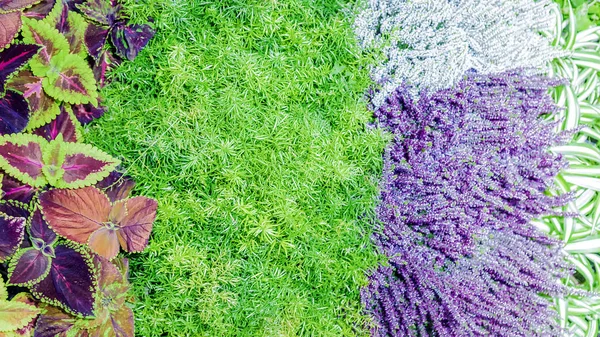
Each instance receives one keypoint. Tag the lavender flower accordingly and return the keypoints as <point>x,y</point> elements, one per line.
<point>430,44</point>
<point>463,178</point>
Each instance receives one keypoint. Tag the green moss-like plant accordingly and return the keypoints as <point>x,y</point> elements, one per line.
<point>245,120</point>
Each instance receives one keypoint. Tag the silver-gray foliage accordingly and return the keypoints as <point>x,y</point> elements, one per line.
<point>430,44</point>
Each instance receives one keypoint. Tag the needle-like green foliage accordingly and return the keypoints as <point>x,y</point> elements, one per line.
<point>245,120</point>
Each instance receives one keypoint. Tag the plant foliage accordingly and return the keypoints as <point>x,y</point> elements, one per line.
<point>463,178</point>
<point>47,86</point>
<point>429,45</point>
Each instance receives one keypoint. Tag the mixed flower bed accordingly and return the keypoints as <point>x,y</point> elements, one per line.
<point>385,168</point>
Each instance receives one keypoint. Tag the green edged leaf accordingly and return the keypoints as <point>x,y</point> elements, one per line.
<point>54,157</point>
<point>21,158</point>
<point>43,108</point>
<point>52,42</point>
<point>85,165</point>
<point>16,315</point>
<point>70,80</point>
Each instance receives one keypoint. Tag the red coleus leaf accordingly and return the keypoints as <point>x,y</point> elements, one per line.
<point>11,24</point>
<point>63,125</point>
<point>13,5</point>
<point>70,282</point>
<point>13,58</point>
<point>86,215</point>
<point>14,113</point>
<point>12,231</point>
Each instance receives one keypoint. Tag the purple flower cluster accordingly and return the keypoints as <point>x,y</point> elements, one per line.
<point>463,177</point>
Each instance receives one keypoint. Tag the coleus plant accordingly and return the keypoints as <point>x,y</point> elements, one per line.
<point>113,318</point>
<point>65,76</point>
<point>48,89</point>
<point>14,110</point>
<point>87,216</point>
<point>58,273</point>
<point>38,162</point>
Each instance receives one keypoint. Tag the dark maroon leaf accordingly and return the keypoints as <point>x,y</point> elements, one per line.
<point>61,125</point>
<point>63,21</point>
<point>104,12</point>
<point>70,282</point>
<point>103,65</point>
<point>39,229</point>
<point>95,39</point>
<point>13,58</point>
<point>41,10</point>
<point>129,40</point>
<point>31,265</point>
<point>14,113</point>
<point>14,209</point>
<point>16,190</point>
<point>116,186</point>
<point>86,113</point>
<point>11,235</point>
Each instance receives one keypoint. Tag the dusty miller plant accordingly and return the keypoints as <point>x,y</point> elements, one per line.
<point>430,44</point>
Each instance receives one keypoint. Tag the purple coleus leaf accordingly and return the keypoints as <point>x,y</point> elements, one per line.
<point>105,63</point>
<point>116,186</point>
<point>42,107</point>
<point>13,58</point>
<point>14,209</point>
<point>31,265</point>
<point>11,234</point>
<point>85,113</point>
<point>95,39</point>
<point>62,124</point>
<point>40,10</point>
<point>129,40</point>
<point>14,113</point>
<point>70,283</point>
<point>58,274</point>
<point>15,190</point>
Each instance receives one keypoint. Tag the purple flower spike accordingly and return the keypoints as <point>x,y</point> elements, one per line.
<point>463,177</point>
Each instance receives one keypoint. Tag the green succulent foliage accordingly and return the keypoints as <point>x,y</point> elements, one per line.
<point>66,77</point>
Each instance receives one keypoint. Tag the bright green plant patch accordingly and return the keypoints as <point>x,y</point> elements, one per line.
<point>245,120</point>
